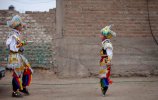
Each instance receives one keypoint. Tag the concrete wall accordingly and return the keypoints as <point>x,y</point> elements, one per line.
<point>135,52</point>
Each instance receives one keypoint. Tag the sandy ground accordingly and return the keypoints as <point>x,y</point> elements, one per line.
<point>46,86</point>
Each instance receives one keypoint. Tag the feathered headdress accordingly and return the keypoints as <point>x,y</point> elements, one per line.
<point>16,21</point>
<point>106,31</point>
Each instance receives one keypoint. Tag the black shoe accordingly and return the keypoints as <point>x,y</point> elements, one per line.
<point>16,94</point>
<point>25,91</point>
<point>104,90</point>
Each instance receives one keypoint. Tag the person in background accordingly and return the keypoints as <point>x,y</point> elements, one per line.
<point>106,54</point>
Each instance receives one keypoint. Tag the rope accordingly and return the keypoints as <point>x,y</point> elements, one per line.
<point>150,23</point>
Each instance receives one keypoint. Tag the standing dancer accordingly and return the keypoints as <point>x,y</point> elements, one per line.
<point>22,72</point>
<point>106,54</point>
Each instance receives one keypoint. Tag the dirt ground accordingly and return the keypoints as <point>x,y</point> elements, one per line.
<point>46,86</point>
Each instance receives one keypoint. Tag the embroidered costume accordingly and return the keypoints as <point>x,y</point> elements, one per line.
<point>22,72</point>
<point>106,54</point>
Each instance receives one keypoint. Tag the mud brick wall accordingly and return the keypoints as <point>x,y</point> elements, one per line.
<point>130,17</point>
<point>45,19</point>
<point>75,51</point>
<point>135,52</point>
<point>40,29</point>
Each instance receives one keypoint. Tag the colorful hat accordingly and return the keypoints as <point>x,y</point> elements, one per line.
<point>106,31</point>
<point>16,21</point>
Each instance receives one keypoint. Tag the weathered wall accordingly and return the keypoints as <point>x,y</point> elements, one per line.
<point>87,17</point>
<point>66,39</point>
<point>40,29</point>
<point>135,52</point>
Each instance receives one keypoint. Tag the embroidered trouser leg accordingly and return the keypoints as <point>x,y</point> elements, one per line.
<point>17,83</point>
<point>104,85</point>
<point>27,77</point>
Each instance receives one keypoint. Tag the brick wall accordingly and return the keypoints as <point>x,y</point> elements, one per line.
<point>40,29</point>
<point>45,19</point>
<point>130,17</point>
<point>135,52</point>
<point>75,51</point>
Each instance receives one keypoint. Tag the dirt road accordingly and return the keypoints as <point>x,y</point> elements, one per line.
<point>48,87</point>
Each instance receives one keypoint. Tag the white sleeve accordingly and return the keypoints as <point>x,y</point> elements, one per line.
<point>109,52</point>
<point>8,41</point>
<point>11,43</point>
<point>107,45</point>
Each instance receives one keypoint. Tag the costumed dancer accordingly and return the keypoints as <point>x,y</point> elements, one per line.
<point>106,54</point>
<point>22,71</point>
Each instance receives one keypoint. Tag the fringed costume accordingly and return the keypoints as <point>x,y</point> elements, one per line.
<point>22,71</point>
<point>106,54</point>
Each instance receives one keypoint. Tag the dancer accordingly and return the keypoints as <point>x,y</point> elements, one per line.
<point>106,54</point>
<point>22,71</point>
